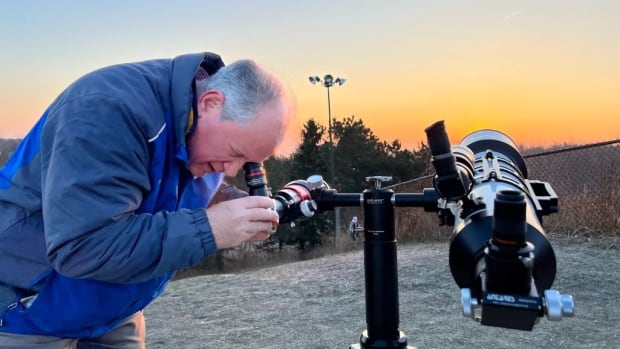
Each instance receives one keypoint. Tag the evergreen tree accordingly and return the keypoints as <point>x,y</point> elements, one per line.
<point>312,155</point>
<point>403,164</point>
<point>357,155</point>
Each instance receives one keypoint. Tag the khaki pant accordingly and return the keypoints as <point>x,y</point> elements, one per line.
<point>130,334</point>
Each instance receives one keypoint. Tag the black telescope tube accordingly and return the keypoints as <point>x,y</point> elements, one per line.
<point>510,258</point>
<point>509,222</point>
<point>328,199</point>
<point>255,179</point>
<point>427,199</point>
<point>449,182</point>
<point>439,144</point>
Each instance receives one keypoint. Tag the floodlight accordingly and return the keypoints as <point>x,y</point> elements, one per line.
<point>328,80</point>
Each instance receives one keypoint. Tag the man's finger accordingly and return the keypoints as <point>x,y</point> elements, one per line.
<point>260,236</point>
<point>263,215</point>
<point>256,202</point>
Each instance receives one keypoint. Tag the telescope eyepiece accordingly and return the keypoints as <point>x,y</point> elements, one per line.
<point>255,179</point>
<point>454,170</point>
<point>438,140</point>
<point>509,221</point>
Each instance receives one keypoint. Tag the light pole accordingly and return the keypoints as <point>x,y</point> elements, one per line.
<point>327,82</point>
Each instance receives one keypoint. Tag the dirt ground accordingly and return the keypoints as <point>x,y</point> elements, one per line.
<point>320,304</point>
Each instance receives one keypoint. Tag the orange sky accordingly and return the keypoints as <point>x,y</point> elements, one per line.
<point>542,72</point>
<point>551,95</point>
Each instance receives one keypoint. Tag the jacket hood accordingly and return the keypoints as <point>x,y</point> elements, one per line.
<point>184,69</point>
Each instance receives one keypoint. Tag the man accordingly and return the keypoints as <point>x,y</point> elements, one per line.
<point>108,195</point>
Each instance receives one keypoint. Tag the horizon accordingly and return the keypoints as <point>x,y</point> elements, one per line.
<point>544,74</point>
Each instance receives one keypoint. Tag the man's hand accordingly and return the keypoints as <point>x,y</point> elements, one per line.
<point>245,219</point>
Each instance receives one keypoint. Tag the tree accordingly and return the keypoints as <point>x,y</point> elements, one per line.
<point>357,155</point>
<point>312,155</point>
<point>403,164</point>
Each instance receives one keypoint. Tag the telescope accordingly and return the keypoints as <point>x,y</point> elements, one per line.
<point>499,255</point>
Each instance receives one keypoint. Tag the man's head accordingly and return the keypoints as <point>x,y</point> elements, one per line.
<point>243,112</point>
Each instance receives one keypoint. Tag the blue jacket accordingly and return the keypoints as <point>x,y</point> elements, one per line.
<point>97,208</point>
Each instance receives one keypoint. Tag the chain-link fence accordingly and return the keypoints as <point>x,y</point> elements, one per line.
<point>587,182</point>
<point>586,179</point>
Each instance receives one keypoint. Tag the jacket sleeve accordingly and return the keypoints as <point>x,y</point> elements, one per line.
<point>95,163</point>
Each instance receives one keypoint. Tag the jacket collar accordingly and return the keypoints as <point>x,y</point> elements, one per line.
<point>182,89</point>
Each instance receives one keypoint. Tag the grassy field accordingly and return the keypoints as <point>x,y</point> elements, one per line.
<point>319,303</point>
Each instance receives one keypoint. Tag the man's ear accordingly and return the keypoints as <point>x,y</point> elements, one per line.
<point>210,100</point>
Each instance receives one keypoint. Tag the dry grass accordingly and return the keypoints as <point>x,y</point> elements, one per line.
<point>319,303</point>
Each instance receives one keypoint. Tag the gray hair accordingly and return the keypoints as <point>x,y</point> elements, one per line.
<point>246,86</point>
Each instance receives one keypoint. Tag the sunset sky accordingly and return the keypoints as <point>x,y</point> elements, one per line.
<point>544,72</point>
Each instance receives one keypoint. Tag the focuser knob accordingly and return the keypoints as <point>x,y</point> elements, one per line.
<point>378,180</point>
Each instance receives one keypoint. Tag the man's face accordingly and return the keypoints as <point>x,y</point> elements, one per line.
<point>218,145</point>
